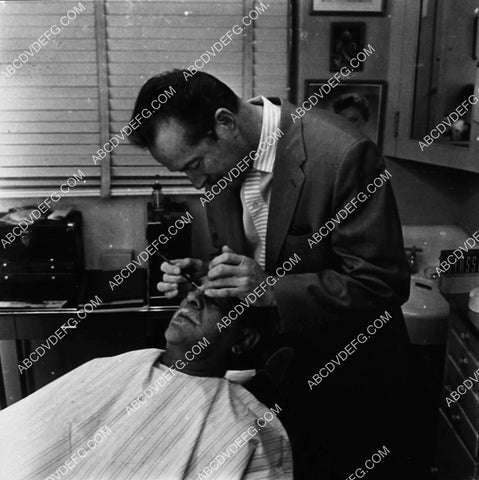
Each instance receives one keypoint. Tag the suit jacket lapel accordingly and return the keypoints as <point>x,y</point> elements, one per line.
<point>288,179</point>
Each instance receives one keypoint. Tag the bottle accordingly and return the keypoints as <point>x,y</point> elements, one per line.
<point>157,199</point>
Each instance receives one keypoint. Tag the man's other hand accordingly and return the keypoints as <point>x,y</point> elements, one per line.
<point>233,275</point>
<point>173,282</point>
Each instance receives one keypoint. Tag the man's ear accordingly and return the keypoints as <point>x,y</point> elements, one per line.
<point>249,337</point>
<point>225,119</point>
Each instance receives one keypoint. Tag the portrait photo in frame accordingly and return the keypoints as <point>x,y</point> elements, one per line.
<point>361,102</point>
<point>347,39</point>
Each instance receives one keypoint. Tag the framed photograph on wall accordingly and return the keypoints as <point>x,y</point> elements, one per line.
<point>361,102</point>
<point>347,7</point>
<point>346,41</point>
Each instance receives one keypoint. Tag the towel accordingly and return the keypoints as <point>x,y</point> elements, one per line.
<point>129,417</point>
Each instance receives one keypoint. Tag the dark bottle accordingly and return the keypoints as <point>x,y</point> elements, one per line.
<point>157,199</point>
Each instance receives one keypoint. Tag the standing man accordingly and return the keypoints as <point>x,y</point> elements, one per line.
<point>315,192</point>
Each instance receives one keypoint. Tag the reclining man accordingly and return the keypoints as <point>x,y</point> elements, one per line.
<point>152,414</point>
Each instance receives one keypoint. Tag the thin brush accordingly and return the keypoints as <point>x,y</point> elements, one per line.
<point>188,277</point>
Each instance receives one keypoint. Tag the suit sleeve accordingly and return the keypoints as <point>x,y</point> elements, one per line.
<point>371,271</point>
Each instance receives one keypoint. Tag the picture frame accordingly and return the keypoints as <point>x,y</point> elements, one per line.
<point>347,7</point>
<point>369,96</point>
<point>347,39</point>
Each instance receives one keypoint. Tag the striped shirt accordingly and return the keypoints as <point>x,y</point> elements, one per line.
<point>123,418</point>
<point>256,188</point>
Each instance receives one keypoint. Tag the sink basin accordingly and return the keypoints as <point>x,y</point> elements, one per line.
<point>426,313</point>
<point>431,239</point>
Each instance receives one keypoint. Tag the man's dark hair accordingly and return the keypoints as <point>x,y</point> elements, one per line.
<point>352,100</point>
<point>194,104</point>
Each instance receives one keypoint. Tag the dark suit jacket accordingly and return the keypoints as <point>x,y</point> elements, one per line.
<point>321,164</point>
<point>340,286</point>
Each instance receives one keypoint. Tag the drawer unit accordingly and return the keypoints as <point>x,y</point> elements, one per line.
<point>467,337</point>
<point>463,426</point>
<point>469,401</point>
<point>462,416</point>
<point>45,263</point>
<point>465,361</point>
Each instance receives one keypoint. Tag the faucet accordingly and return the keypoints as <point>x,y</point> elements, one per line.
<point>412,258</point>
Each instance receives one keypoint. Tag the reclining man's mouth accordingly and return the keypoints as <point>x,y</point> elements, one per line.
<point>184,314</point>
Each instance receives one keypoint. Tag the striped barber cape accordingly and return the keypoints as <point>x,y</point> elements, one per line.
<point>125,418</point>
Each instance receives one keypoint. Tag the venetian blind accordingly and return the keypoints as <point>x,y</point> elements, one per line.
<point>49,120</point>
<point>78,90</point>
<point>148,37</point>
<point>271,50</point>
<point>145,38</point>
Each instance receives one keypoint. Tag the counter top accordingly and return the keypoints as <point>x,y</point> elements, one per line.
<point>96,283</point>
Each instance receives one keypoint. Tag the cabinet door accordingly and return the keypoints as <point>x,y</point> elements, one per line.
<point>433,113</point>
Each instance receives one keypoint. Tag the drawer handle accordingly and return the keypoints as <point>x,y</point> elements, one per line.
<point>463,362</point>
<point>464,336</point>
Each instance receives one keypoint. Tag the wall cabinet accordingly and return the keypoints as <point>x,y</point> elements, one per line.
<point>432,114</point>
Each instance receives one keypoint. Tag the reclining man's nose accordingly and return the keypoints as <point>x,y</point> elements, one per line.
<point>195,299</point>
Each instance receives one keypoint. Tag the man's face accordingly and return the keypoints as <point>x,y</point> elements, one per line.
<point>196,318</point>
<point>205,162</point>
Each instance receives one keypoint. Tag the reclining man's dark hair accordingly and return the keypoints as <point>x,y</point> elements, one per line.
<point>194,104</point>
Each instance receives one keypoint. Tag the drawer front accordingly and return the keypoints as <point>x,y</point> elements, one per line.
<point>29,278</point>
<point>52,267</point>
<point>464,360</point>
<point>453,460</point>
<point>462,425</point>
<point>7,266</point>
<point>467,338</point>
<point>469,401</point>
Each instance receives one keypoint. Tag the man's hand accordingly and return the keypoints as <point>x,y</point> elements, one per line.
<point>233,275</point>
<point>173,283</point>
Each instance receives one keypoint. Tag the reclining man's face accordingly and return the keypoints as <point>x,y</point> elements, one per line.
<point>196,318</point>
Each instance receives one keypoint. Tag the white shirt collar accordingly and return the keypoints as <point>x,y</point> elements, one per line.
<point>264,160</point>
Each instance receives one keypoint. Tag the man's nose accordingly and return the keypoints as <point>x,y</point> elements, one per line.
<point>195,299</point>
<point>198,180</point>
